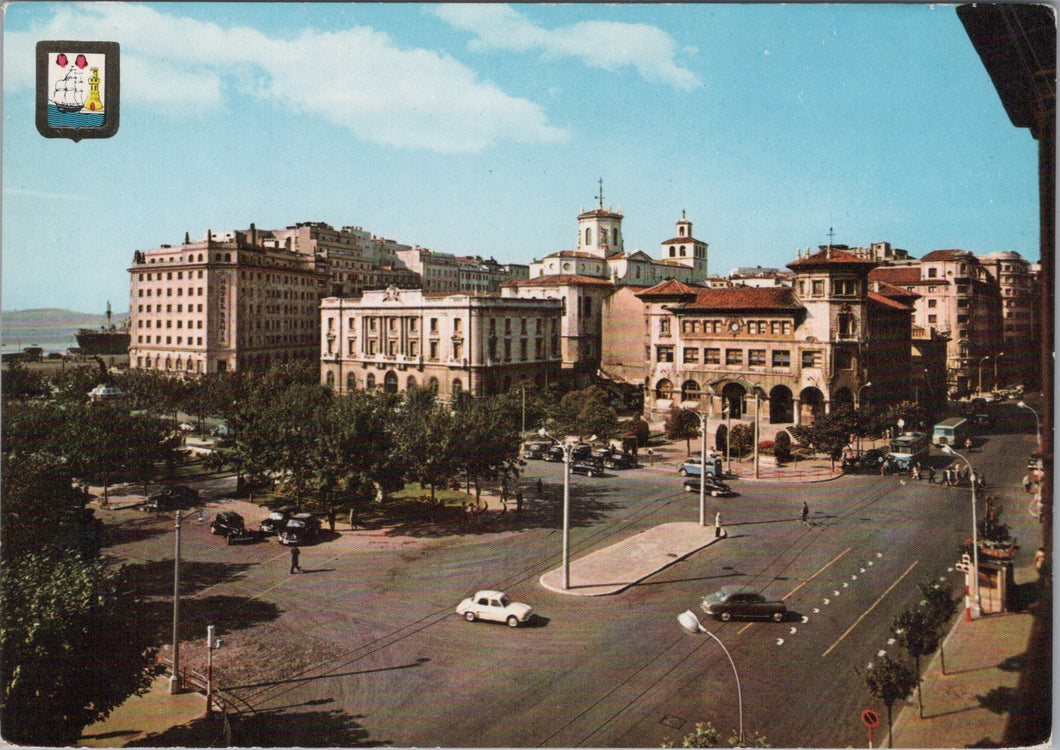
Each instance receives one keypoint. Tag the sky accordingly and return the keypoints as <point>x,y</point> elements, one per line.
<point>483,129</point>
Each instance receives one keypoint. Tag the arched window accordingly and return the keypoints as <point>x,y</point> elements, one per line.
<point>369,381</point>
<point>433,384</point>
<point>410,383</point>
<point>588,236</point>
<point>329,379</point>
<point>351,381</point>
<point>614,236</point>
<point>682,251</point>
<point>689,390</point>
<point>457,386</point>
<point>664,389</point>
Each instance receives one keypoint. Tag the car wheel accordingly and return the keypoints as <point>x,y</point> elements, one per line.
<point>682,472</point>
<point>778,617</point>
<point>513,621</point>
<point>469,616</point>
<point>725,616</point>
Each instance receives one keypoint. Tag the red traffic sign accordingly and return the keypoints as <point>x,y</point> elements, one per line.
<point>870,717</point>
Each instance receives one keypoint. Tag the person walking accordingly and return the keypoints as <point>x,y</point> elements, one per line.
<point>717,525</point>
<point>805,512</point>
<point>331,519</point>
<point>539,486</point>
<point>295,568</point>
<point>931,475</point>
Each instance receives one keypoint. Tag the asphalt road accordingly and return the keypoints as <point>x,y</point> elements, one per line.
<point>365,648</point>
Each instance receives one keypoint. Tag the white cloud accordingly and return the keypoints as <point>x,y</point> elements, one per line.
<point>606,45</point>
<point>356,78</point>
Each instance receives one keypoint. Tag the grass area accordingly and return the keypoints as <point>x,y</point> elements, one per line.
<point>416,491</point>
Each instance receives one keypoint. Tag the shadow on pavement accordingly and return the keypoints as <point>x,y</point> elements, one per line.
<point>268,729</point>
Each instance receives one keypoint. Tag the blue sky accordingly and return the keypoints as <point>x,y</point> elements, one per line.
<point>482,129</point>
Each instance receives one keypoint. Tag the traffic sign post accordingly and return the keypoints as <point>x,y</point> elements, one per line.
<point>872,720</point>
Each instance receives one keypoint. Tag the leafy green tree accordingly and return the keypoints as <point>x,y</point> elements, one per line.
<point>828,434</point>
<point>741,439</point>
<point>424,435</point>
<point>917,631</point>
<point>641,431</point>
<point>941,605</point>
<point>353,450</point>
<point>682,424</point>
<point>890,681</point>
<point>705,734</point>
<point>72,646</point>
<point>42,510</point>
<point>73,383</point>
<point>489,441</point>
<point>19,382</point>
<point>584,413</point>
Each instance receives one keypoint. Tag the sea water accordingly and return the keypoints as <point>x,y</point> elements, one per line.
<point>82,119</point>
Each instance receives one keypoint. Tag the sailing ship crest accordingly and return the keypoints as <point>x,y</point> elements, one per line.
<point>71,91</point>
<point>77,89</point>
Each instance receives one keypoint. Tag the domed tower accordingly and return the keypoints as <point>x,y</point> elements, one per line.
<point>600,229</point>
<point>686,250</point>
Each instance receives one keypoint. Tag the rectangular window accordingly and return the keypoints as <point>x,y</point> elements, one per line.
<point>664,353</point>
<point>664,326</point>
<point>712,356</point>
<point>691,356</point>
<point>781,358</point>
<point>434,325</point>
<point>844,360</point>
<point>809,359</point>
<point>933,318</point>
<point>434,350</point>
<point>845,287</point>
<point>734,356</point>
<point>932,303</point>
<point>932,273</point>
<point>818,288</point>
<point>756,357</point>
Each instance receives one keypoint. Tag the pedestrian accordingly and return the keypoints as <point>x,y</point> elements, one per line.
<point>717,525</point>
<point>518,500</point>
<point>916,472</point>
<point>805,512</point>
<point>295,568</point>
<point>968,444</point>
<point>931,475</point>
<point>539,488</point>
<point>331,519</point>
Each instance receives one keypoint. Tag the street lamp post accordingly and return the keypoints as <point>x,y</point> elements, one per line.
<point>857,396</point>
<point>1037,422</point>
<point>997,359</point>
<point>703,464</point>
<point>690,624</point>
<point>976,609</point>
<point>174,680</point>
<point>727,412</point>
<point>757,402</point>
<point>984,359</point>
<point>566,506</point>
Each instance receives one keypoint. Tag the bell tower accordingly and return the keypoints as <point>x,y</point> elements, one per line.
<point>600,229</point>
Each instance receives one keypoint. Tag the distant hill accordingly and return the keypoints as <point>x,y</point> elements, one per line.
<point>52,329</point>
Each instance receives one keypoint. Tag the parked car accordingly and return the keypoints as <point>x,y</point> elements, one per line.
<point>494,606</point>
<point>534,451</point>
<point>743,602</point>
<point>171,498</point>
<point>580,451</point>
<point>711,486</point>
<point>277,520</point>
<point>692,466</point>
<point>590,467</point>
<point>227,522</point>
<point>300,528</point>
<point>245,536</point>
<point>618,461</point>
<point>555,453</point>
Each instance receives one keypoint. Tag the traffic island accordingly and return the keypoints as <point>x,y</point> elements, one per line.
<point>621,565</point>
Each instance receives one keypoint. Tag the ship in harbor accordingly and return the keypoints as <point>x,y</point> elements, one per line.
<point>70,93</point>
<point>108,339</point>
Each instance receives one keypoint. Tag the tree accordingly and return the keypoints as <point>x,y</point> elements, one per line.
<point>741,439</point>
<point>424,436</point>
<point>940,605</point>
<point>890,681</point>
<point>829,433</point>
<point>72,646</point>
<point>704,734</point>
<point>489,441</point>
<point>640,430</point>
<point>584,413</point>
<point>19,382</point>
<point>918,633</point>
<point>354,448</point>
<point>42,510</point>
<point>682,424</point>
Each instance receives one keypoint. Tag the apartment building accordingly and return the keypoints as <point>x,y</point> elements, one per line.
<point>226,302</point>
<point>1017,362</point>
<point>480,344</point>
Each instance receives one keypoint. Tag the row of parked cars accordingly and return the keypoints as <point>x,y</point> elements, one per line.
<point>584,458</point>
<point>289,526</point>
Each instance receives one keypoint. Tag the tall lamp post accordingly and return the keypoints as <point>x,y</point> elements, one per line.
<point>857,407</point>
<point>691,625</point>
<point>566,505</point>
<point>948,449</point>
<point>174,680</point>
<point>997,359</point>
<point>703,462</point>
<point>1037,422</point>
<point>984,359</point>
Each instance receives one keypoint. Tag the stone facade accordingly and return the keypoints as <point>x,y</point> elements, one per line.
<point>480,344</point>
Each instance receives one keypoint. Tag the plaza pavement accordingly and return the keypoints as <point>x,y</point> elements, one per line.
<point>967,705</point>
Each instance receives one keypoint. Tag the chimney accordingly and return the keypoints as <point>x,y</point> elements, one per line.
<point>187,239</point>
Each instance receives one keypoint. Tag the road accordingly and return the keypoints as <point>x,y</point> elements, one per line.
<point>365,647</point>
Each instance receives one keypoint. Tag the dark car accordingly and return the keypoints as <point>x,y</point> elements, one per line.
<point>554,454</point>
<point>590,467</point>
<point>581,451</point>
<point>743,602</point>
<point>711,486</point>
<point>300,528</point>
<point>277,520</point>
<point>171,498</point>
<point>534,451</point>
<point>618,461</point>
<point>227,522</point>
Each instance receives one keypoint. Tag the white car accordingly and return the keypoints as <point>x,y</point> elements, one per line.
<point>495,606</point>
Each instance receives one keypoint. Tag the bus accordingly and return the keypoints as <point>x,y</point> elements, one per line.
<point>952,431</point>
<point>909,448</point>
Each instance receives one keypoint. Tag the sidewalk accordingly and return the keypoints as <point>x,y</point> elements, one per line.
<point>141,716</point>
